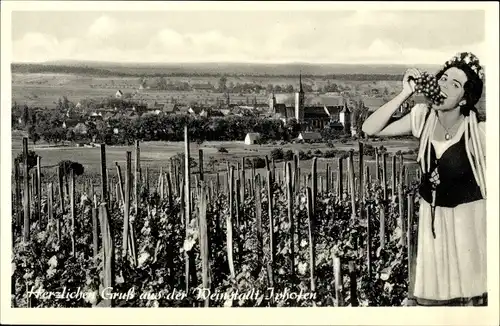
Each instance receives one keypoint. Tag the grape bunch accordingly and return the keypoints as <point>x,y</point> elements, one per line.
<point>427,84</point>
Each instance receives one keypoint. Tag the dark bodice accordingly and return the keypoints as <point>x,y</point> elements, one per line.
<point>457,183</point>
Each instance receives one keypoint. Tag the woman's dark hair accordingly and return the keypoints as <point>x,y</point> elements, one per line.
<point>473,88</point>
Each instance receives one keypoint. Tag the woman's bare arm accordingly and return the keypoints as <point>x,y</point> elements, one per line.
<point>376,123</point>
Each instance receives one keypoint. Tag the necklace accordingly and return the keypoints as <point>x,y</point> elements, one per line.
<point>447,135</point>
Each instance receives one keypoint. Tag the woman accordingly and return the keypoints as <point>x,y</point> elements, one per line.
<point>451,256</point>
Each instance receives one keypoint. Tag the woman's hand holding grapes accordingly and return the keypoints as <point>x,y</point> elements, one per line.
<point>409,81</point>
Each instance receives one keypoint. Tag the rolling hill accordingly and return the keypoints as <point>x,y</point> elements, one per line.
<point>213,69</point>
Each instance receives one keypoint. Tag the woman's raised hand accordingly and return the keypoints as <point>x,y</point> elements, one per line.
<point>409,81</point>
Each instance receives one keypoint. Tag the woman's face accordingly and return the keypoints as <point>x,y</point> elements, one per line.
<point>452,87</point>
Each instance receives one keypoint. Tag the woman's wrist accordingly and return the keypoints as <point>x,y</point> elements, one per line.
<point>405,94</point>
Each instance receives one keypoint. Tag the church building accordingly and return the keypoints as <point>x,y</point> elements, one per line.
<point>314,116</point>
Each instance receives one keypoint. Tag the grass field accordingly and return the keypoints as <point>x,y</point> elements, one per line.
<point>157,154</point>
<point>44,89</point>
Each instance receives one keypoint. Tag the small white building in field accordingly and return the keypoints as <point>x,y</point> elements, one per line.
<point>309,136</point>
<point>252,138</point>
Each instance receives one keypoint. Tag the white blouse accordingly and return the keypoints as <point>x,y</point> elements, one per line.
<point>417,118</point>
<point>440,146</point>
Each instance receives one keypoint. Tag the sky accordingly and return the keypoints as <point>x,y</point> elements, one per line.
<point>327,36</point>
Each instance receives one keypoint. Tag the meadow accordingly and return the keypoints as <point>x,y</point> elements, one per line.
<point>44,89</point>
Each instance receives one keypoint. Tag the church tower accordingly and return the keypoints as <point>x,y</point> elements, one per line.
<point>345,117</point>
<point>299,101</point>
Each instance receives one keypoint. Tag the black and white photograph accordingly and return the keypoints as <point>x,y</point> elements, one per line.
<point>211,156</point>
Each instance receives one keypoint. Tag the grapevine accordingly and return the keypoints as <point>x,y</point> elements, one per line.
<point>163,242</point>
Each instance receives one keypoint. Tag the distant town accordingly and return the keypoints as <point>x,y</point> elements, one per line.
<point>311,114</point>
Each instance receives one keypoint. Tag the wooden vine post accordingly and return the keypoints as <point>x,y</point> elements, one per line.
<point>104,187</point>
<point>137,177</point>
<point>384,175</point>
<point>39,192</point>
<point>339,281</point>
<point>368,241</point>
<point>61,188</point>
<point>187,200</point>
<point>271,228</point>
<point>120,181</point>
<point>367,177</point>
<point>412,248</point>
<point>169,191</point>
<point>72,210</point>
<point>382,225</point>
<point>312,253</point>
<point>314,186</point>
<point>108,249</point>
<point>361,189</point>
<point>146,180</point>
<point>354,286</point>
<point>95,231</point>
<point>290,216</point>
<point>327,178</point>
<point>204,249</point>
<point>237,231</point>
<point>26,229</point>
<point>242,185</point>
<point>17,196</point>
<point>258,218</point>
<point>50,202</point>
<point>394,179</point>
<point>401,201</point>
<point>229,224</point>
<point>350,176</point>
<point>340,178</point>
<point>296,168</point>
<point>274,170</point>
<point>200,164</point>
<point>126,203</point>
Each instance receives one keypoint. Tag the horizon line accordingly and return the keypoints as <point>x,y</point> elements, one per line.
<point>62,61</point>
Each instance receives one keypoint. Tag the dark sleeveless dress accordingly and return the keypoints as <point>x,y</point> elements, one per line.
<point>457,183</point>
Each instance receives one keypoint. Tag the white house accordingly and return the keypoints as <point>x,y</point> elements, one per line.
<point>252,138</point>
<point>309,136</point>
<point>119,94</point>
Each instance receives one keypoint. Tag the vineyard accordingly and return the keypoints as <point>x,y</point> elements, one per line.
<point>283,238</point>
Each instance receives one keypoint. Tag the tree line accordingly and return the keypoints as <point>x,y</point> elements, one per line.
<point>171,72</point>
<point>48,125</point>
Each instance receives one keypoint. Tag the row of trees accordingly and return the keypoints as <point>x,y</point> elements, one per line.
<point>123,130</point>
<point>154,71</point>
<point>170,128</point>
<point>225,86</point>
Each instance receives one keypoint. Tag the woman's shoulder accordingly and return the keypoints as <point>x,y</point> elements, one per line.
<point>420,108</point>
